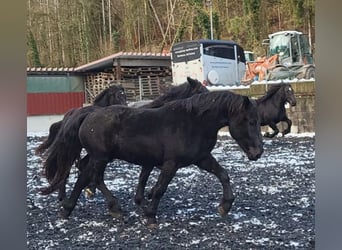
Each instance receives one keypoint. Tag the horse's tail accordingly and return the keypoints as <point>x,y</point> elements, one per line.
<point>62,154</point>
<point>53,131</point>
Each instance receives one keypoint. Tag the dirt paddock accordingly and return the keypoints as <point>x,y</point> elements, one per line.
<point>274,206</point>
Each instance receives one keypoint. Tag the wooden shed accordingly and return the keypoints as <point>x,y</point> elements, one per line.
<point>143,75</point>
<point>54,91</point>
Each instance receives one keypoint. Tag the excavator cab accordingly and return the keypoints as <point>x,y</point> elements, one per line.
<point>292,47</point>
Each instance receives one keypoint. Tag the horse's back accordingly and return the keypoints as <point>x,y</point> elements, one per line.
<point>143,135</point>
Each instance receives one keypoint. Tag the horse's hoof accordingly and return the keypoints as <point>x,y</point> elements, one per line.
<point>152,226</point>
<point>152,223</point>
<point>63,213</point>
<point>115,210</point>
<point>89,193</point>
<point>222,211</point>
<point>141,202</point>
<point>116,215</point>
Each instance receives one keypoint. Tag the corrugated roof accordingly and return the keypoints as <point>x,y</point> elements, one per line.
<point>108,61</point>
<point>105,62</point>
<point>49,69</point>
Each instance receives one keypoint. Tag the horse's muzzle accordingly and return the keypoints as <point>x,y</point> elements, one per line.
<point>254,153</point>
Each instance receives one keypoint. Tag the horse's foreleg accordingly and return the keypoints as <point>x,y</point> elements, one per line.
<point>143,177</point>
<point>212,166</point>
<point>275,131</point>
<point>168,171</point>
<point>61,191</point>
<point>289,124</point>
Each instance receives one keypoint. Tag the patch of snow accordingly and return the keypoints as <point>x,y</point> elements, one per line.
<point>237,226</point>
<point>92,224</point>
<point>294,244</point>
<point>238,215</point>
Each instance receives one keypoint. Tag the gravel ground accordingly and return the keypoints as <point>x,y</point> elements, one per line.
<point>274,206</point>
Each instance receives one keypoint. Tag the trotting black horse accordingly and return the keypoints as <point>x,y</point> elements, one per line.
<point>187,89</point>
<point>271,107</point>
<point>114,94</point>
<point>176,135</point>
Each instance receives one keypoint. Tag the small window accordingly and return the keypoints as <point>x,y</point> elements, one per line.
<point>221,51</point>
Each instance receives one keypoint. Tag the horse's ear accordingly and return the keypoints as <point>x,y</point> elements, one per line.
<point>246,102</point>
<point>191,81</point>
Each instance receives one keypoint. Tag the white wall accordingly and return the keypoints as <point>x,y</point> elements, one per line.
<point>41,123</point>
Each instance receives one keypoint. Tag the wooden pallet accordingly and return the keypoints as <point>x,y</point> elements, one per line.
<point>152,80</point>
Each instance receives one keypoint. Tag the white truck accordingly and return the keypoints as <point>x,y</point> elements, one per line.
<point>212,62</point>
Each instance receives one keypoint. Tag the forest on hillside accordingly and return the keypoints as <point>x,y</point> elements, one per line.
<point>62,33</point>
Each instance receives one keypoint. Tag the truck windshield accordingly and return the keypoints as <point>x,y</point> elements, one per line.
<point>279,44</point>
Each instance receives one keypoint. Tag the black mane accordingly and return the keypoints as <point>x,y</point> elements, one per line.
<point>181,91</point>
<point>208,101</point>
<point>272,90</point>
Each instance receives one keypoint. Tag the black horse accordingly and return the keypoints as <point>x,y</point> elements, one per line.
<point>175,135</point>
<point>187,89</point>
<point>114,94</point>
<point>271,107</point>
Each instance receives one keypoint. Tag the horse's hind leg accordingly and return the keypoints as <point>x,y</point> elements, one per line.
<point>289,124</point>
<point>275,131</point>
<point>68,204</point>
<point>168,171</point>
<point>211,165</point>
<point>143,177</point>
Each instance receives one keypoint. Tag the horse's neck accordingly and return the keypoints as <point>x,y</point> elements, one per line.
<point>280,99</point>
<point>276,99</point>
<point>102,102</point>
<point>213,119</point>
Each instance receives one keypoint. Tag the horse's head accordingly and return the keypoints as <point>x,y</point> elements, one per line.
<point>244,127</point>
<point>118,95</point>
<point>113,95</point>
<point>289,95</point>
<point>196,87</point>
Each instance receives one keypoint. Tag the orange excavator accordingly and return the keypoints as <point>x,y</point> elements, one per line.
<point>288,56</point>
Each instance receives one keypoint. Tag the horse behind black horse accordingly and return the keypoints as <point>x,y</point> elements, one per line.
<point>112,95</point>
<point>176,135</point>
<point>271,107</point>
